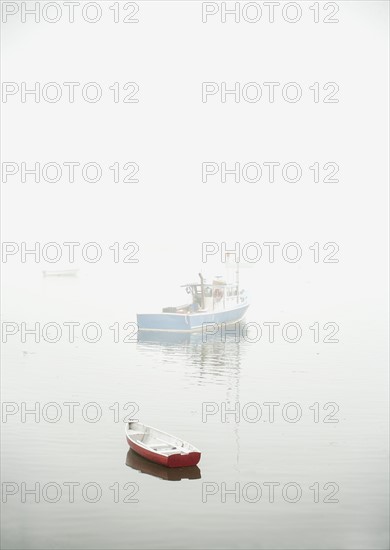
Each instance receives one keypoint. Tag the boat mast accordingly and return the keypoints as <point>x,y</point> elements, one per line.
<point>238,281</point>
<point>237,277</point>
<point>201,290</point>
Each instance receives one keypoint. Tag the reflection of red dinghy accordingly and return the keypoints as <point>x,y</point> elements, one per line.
<point>160,447</point>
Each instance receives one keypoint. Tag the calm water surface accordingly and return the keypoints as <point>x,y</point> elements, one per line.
<point>170,379</point>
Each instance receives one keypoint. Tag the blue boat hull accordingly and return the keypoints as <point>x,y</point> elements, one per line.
<point>180,322</point>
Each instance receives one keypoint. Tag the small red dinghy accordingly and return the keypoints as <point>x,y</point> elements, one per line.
<point>161,447</point>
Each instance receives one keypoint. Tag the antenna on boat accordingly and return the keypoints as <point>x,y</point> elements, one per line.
<point>238,281</point>
<point>201,289</point>
<point>237,272</point>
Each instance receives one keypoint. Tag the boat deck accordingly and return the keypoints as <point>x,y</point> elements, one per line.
<point>156,444</point>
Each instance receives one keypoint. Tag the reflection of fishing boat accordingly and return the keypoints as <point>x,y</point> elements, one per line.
<point>215,354</point>
<point>137,462</point>
<point>167,338</point>
<point>61,273</point>
<point>216,302</point>
<point>160,447</point>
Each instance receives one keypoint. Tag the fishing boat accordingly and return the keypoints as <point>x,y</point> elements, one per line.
<point>215,302</point>
<point>144,466</point>
<point>61,273</point>
<point>160,447</point>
